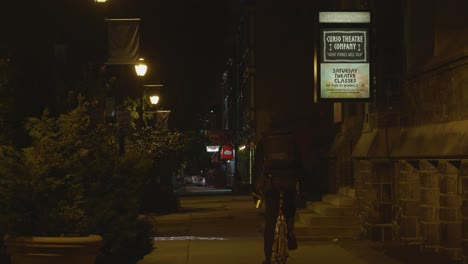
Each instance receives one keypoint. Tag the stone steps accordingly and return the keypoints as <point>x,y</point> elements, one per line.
<point>311,218</point>
<point>304,232</point>
<point>335,217</point>
<point>339,200</point>
<point>347,191</point>
<point>327,209</point>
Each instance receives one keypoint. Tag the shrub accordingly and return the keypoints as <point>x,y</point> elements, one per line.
<point>72,181</point>
<point>165,147</point>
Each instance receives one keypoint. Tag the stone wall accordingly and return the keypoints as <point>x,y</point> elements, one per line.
<point>429,205</point>
<point>364,197</point>
<point>423,202</point>
<point>374,191</point>
<point>407,192</point>
<point>438,95</point>
<point>463,183</point>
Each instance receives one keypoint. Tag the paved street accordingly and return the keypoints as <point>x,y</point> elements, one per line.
<point>228,229</point>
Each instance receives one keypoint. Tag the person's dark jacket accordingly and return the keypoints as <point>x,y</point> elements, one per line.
<point>277,163</point>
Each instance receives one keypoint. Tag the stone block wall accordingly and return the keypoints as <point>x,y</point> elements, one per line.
<point>429,205</point>
<point>463,189</point>
<point>423,202</point>
<point>362,172</point>
<point>437,95</point>
<point>450,210</point>
<point>407,202</point>
<point>374,191</point>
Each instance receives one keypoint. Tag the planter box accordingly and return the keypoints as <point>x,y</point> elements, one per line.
<point>53,250</point>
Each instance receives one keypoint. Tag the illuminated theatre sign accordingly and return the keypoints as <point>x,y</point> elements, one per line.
<point>344,64</point>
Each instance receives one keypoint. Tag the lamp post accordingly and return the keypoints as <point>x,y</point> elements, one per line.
<point>140,69</point>
<point>153,93</point>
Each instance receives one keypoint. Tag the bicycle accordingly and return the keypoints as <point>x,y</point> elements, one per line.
<point>279,254</point>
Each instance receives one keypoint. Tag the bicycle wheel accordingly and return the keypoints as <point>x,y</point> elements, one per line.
<point>280,243</point>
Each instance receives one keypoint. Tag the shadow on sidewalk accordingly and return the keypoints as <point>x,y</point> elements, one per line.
<point>413,254</point>
<point>403,254</point>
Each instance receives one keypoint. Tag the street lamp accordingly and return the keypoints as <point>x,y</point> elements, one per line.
<point>154,99</point>
<point>153,92</point>
<point>140,69</point>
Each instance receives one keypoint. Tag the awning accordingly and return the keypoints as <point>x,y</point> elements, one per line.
<point>437,140</point>
<point>445,140</point>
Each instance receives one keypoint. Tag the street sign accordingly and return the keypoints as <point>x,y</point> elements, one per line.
<point>212,148</point>
<point>227,152</point>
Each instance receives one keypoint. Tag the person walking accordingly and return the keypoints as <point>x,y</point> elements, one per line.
<point>277,168</point>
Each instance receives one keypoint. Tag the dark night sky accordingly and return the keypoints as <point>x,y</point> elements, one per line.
<point>184,43</point>
<point>184,40</point>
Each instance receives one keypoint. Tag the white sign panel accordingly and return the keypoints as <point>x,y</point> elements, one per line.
<point>344,17</point>
<point>346,81</point>
<point>212,148</point>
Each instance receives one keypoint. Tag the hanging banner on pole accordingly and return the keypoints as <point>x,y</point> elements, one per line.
<point>123,40</point>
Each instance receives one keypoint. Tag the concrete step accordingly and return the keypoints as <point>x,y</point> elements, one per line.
<point>334,218</point>
<point>306,232</point>
<point>311,218</point>
<point>347,191</point>
<point>327,209</point>
<point>339,200</point>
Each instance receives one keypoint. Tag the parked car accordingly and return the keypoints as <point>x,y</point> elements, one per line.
<point>195,180</point>
<point>188,180</point>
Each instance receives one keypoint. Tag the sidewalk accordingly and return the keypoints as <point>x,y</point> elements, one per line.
<point>247,250</point>
<point>227,229</point>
